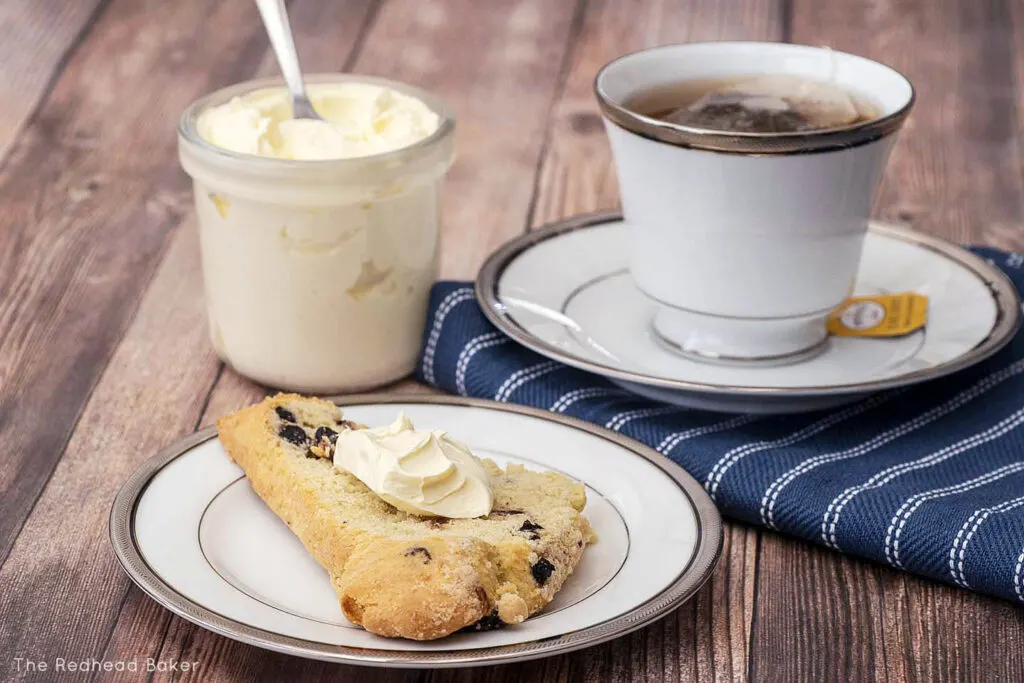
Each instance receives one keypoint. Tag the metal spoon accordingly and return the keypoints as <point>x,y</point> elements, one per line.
<point>275,20</point>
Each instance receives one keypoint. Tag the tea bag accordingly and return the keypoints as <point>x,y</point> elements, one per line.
<point>770,104</point>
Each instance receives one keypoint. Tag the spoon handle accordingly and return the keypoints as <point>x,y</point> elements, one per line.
<point>275,19</point>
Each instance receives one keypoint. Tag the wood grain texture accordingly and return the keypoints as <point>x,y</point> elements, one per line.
<point>498,67</point>
<point>138,628</point>
<point>164,367</point>
<point>956,172</point>
<point>825,617</point>
<point>36,38</point>
<point>90,194</point>
<point>61,599</point>
<point>817,617</point>
<point>483,82</point>
<point>97,245</point>
<point>957,169</point>
<point>708,638</point>
<point>577,175</point>
<point>1016,21</point>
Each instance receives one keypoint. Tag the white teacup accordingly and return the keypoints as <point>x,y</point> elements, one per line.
<point>747,241</point>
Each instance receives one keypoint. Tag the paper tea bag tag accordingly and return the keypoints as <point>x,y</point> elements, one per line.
<point>886,315</point>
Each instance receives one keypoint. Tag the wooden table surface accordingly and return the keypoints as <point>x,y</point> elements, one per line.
<point>104,355</point>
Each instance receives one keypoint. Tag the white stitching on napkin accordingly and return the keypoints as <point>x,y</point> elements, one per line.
<point>478,343</point>
<point>736,454</point>
<point>453,299</point>
<point>771,495</point>
<point>620,420</point>
<point>673,440</point>
<point>1018,577</point>
<point>570,397</point>
<point>978,517</point>
<point>899,520</point>
<point>879,479</point>
<point>521,377</point>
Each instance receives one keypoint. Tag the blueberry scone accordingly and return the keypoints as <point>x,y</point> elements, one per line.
<point>400,573</point>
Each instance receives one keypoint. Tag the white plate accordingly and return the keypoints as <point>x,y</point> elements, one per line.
<point>565,292</point>
<point>189,530</point>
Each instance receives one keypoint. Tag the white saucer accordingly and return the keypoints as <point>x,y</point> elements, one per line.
<point>565,292</point>
<point>189,530</point>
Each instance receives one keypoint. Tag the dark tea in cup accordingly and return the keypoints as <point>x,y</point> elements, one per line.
<point>755,104</point>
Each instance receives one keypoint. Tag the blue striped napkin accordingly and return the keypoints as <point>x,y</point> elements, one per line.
<point>928,479</point>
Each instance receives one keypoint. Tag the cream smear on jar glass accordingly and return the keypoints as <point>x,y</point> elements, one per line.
<point>319,239</point>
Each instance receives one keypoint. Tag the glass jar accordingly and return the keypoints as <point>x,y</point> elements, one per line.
<point>317,273</point>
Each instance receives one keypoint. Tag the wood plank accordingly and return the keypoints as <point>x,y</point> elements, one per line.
<point>36,39</point>
<point>60,587</point>
<point>482,81</point>
<point>577,175</point>
<point>955,635</point>
<point>819,617</point>
<point>137,626</point>
<point>91,193</point>
<point>62,598</point>
<point>825,617</point>
<point>957,168</point>
<point>956,172</point>
<point>1016,21</point>
<point>682,646</point>
<point>707,639</point>
<point>498,68</point>
<point>814,614</point>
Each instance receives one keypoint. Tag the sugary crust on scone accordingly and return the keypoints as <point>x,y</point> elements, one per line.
<point>401,575</point>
